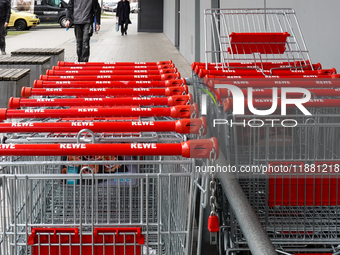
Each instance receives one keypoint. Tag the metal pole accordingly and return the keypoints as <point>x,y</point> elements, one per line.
<point>257,238</point>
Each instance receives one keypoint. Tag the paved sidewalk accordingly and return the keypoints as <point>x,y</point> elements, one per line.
<point>107,45</point>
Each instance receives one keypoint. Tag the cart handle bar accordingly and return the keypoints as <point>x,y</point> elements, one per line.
<point>15,102</point>
<point>111,72</point>
<point>207,78</point>
<point>250,63</point>
<point>114,67</point>
<point>103,92</point>
<point>273,72</point>
<point>200,148</point>
<point>259,66</point>
<point>62,63</point>
<point>178,111</point>
<point>182,126</point>
<point>270,83</point>
<point>109,77</point>
<point>108,84</point>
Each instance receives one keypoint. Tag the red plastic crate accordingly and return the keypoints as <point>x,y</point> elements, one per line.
<point>264,43</point>
<point>68,241</point>
<point>304,189</point>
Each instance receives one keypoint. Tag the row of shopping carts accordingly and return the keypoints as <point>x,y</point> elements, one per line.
<point>276,116</point>
<point>98,158</point>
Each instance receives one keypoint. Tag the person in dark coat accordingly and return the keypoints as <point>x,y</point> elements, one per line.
<point>82,14</point>
<point>123,14</point>
<point>5,13</point>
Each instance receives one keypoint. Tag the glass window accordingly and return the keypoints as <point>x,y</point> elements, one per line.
<point>54,3</point>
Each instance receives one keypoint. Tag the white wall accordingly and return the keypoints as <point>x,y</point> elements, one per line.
<point>204,5</point>
<point>319,22</point>
<point>187,30</point>
<point>169,19</point>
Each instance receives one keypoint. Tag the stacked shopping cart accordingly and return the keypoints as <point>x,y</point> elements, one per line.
<point>97,158</point>
<point>284,152</point>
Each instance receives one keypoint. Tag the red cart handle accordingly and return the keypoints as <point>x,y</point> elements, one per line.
<point>267,93</point>
<point>270,83</point>
<point>274,72</point>
<point>267,103</point>
<point>103,92</point>
<point>15,103</point>
<point>61,63</point>
<point>108,77</point>
<point>179,111</point>
<point>110,72</point>
<point>155,67</point>
<point>246,64</point>
<point>208,78</point>
<point>108,84</point>
<point>201,148</point>
<point>258,67</point>
<point>182,126</point>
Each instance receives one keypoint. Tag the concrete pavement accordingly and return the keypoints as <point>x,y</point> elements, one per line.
<point>107,45</point>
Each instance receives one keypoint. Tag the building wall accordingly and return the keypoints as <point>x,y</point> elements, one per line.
<point>318,22</point>
<point>187,30</point>
<point>169,20</point>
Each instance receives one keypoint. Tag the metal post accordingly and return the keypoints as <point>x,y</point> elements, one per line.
<point>257,239</point>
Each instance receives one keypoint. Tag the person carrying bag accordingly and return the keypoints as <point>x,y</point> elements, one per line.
<point>123,14</point>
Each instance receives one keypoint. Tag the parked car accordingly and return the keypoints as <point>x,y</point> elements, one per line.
<point>134,7</point>
<point>48,11</point>
<point>22,20</point>
<point>110,7</point>
<point>51,11</point>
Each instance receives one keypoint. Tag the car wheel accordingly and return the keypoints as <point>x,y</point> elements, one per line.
<point>62,21</point>
<point>20,25</point>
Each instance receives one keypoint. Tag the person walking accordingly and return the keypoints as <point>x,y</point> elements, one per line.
<point>123,14</point>
<point>5,14</point>
<point>82,14</point>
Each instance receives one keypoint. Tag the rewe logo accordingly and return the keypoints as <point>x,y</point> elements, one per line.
<point>239,101</point>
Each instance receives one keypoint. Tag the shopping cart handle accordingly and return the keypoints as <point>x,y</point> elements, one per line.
<point>194,64</point>
<point>26,91</point>
<point>14,102</point>
<point>166,66</point>
<point>170,76</point>
<point>174,83</point>
<point>184,111</point>
<point>62,63</point>
<point>165,71</point>
<point>173,91</point>
<point>180,100</point>
<point>32,239</point>
<point>38,84</point>
<point>191,126</point>
<point>201,148</point>
<point>164,62</point>
<point>331,71</point>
